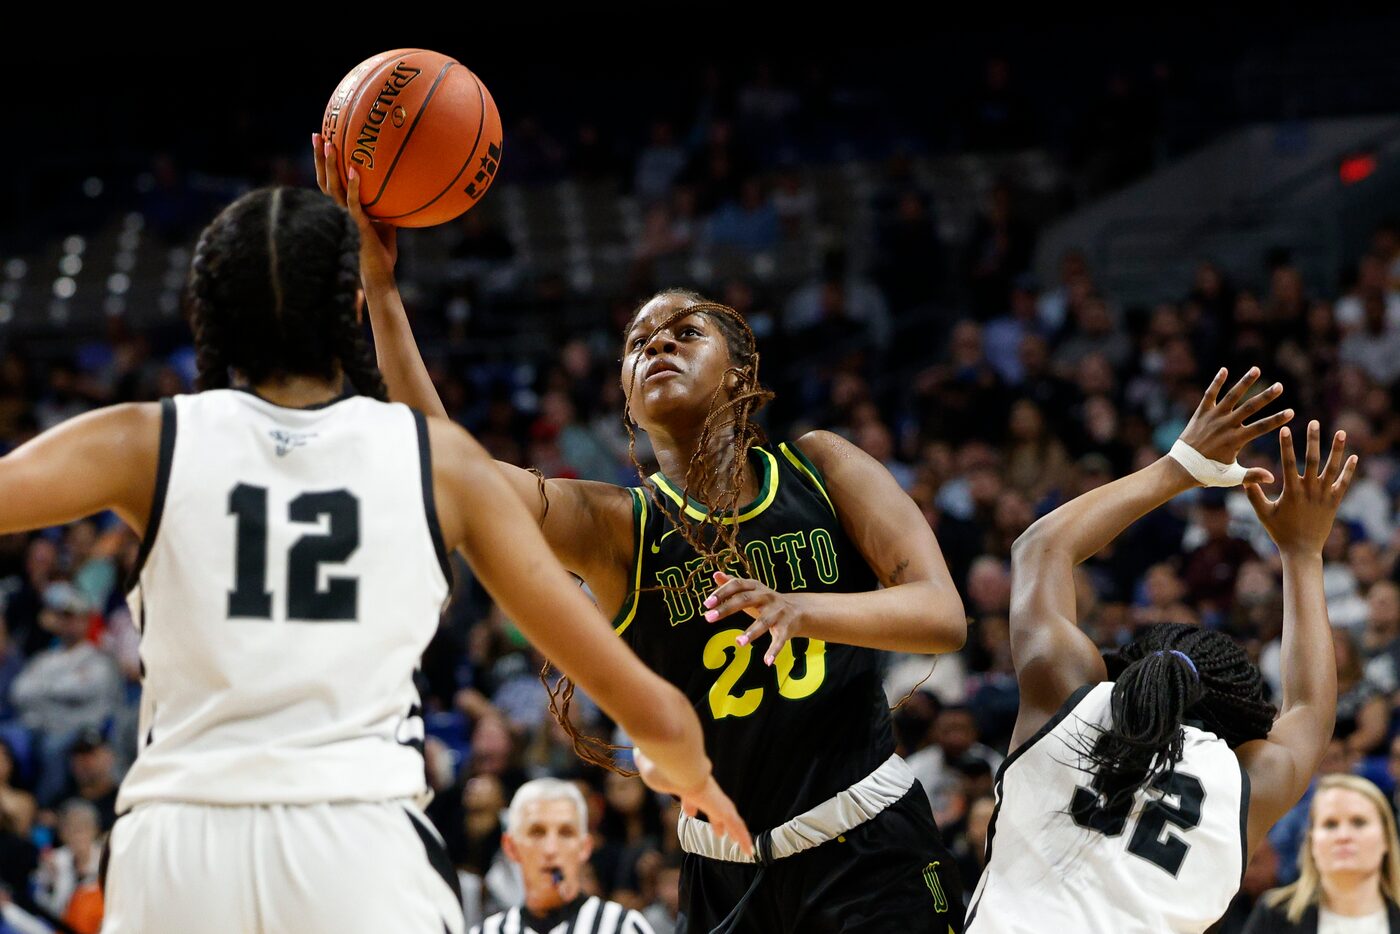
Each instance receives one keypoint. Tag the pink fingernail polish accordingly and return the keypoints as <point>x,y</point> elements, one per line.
<point>712,615</point>
<point>709,601</point>
<point>742,640</point>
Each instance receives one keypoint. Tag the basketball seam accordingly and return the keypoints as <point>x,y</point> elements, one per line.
<point>422,109</point>
<point>349,110</point>
<point>471,156</point>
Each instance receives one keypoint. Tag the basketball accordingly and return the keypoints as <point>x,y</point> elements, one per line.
<point>421,131</point>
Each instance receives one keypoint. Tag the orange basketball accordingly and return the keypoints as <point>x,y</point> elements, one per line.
<point>421,131</point>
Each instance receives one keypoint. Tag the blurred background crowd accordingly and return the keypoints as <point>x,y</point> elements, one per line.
<point>953,252</point>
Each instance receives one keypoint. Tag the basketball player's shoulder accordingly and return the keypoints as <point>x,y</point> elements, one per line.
<point>453,446</point>
<point>137,420</point>
<point>132,432</point>
<point>824,449</point>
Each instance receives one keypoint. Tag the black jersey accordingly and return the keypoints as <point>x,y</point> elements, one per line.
<point>786,738</point>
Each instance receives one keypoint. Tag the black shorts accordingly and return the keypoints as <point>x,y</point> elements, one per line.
<point>890,874</point>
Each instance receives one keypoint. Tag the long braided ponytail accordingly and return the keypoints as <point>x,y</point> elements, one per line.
<point>272,292</point>
<point>1169,674</point>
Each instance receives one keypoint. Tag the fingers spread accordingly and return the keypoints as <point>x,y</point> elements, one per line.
<point>1335,458</point>
<point>758,628</point>
<point>318,156</point>
<point>730,587</point>
<point>1237,391</point>
<point>334,188</point>
<point>1288,457</point>
<point>1213,390</point>
<point>735,830</point>
<point>780,638</point>
<point>748,600</point>
<point>1259,400</point>
<point>1314,454</point>
<point>1265,425</point>
<point>1258,475</point>
<point>1257,499</point>
<point>1339,489</point>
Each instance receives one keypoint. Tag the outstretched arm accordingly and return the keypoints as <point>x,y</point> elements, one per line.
<point>1053,657</point>
<point>917,609</point>
<point>97,461</point>
<point>586,524</point>
<point>1281,765</point>
<point>399,360</point>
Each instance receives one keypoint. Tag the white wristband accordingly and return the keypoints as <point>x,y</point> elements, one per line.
<point>1206,471</point>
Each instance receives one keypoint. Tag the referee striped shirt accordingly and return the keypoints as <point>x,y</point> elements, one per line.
<point>585,916</point>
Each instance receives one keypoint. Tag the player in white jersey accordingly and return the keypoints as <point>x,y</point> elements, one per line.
<point>292,571</point>
<point>1137,786</point>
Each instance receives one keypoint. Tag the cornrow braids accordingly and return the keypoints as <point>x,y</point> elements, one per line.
<point>356,356</point>
<point>210,359</point>
<point>1171,673</point>
<point>714,540</point>
<point>272,292</point>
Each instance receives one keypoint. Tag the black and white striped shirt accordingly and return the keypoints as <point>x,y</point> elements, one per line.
<point>589,915</point>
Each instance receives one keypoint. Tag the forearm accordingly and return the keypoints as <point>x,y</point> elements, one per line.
<point>1084,525</point>
<point>653,712</point>
<point>568,629</point>
<point>1308,668</point>
<point>405,375</point>
<point>666,728</point>
<point>919,617</point>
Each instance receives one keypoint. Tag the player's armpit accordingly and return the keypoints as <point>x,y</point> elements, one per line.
<point>1277,778</point>
<point>587,524</point>
<point>1052,656</point>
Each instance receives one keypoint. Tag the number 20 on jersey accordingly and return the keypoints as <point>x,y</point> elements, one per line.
<point>723,703</point>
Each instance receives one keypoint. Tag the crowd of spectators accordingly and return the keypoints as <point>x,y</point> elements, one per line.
<point>990,395</point>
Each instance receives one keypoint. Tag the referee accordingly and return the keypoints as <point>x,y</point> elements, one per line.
<point>547,835</point>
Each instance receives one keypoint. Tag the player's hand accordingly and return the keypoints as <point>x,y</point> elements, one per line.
<point>1301,518</point>
<point>707,799</point>
<point>379,243</point>
<point>778,614</point>
<point>1218,429</point>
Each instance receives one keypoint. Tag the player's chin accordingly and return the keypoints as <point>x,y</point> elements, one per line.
<point>663,402</point>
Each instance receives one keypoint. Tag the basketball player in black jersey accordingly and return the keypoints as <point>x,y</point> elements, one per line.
<point>813,544</point>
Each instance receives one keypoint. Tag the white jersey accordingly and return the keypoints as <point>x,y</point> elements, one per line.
<point>291,576</point>
<point>1058,860</point>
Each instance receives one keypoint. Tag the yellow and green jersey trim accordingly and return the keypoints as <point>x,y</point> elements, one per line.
<point>628,611</point>
<point>800,461</point>
<point>768,491</point>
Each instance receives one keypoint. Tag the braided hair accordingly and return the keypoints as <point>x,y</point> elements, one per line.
<point>272,292</point>
<point>717,542</point>
<point>1169,674</point>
